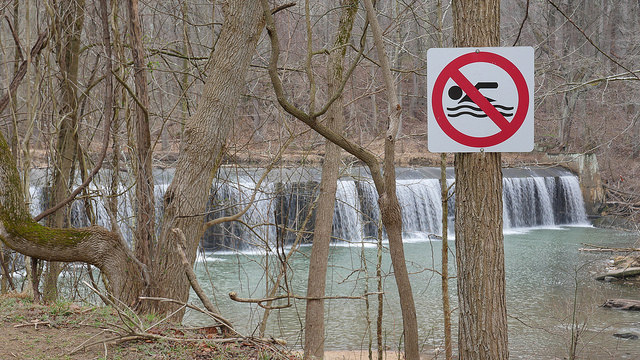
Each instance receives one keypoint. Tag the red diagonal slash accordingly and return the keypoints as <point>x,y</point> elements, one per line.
<point>479,99</point>
<point>452,71</point>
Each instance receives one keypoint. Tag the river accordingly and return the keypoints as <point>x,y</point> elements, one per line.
<point>551,291</point>
<point>547,280</point>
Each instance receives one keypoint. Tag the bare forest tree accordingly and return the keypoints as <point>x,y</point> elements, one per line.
<point>314,317</point>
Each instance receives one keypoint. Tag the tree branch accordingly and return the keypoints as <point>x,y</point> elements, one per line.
<point>526,15</point>
<point>282,7</point>
<point>589,39</point>
<point>40,44</point>
<point>108,114</point>
<point>234,296</point>
<point>131,93</point>
<point>311,120</point>
<point>16,38</point>
<point>181,246</point>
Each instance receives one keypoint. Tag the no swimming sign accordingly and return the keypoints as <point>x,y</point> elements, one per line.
<point>480,99</point>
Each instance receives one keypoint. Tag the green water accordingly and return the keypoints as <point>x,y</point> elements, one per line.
<point>547,278</point>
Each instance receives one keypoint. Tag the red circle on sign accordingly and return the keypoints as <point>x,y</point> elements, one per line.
<point>507,128</point>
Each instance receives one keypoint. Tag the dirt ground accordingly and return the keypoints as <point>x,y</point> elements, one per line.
<point>32,331</point>
<point>63,330</point>
<point>364,355</point>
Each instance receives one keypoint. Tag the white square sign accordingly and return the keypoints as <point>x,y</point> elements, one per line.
<point>480,99</point>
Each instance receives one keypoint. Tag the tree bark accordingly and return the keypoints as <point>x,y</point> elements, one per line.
<point>202,147</point>
<point>316,284</point>
<point>446,307</point>
<point>69,21</point>
<point>94,245</point>
<point>482,329</point>
<point>388,201</point>
<point>145,219</point>
<point>40,44</point>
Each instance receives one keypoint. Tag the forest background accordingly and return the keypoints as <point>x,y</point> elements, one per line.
<point>584,101</point>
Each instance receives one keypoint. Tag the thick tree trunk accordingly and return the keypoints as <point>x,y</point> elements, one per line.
<point>5,257</point>
<point>202,147</point>
<point>482,329</point>
<point>145,214</point>
<point>316,284</point>
<point>446,307</point>
<point>635,138</point>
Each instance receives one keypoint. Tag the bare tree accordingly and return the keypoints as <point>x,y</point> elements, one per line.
<point>68,21</point>
<point>203,142</point>
<point>145,221</point>
<point>205,135</point>
<point>385,184</point>
<point>316,284</point>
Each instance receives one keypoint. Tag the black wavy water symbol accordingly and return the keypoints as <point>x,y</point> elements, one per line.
<point>455,93</point>
<point>479,112</point>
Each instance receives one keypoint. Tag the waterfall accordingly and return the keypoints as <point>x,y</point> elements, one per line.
<point>280,208</point>
<point>421,204</point>
<point>569,202</point>
<point>256,228</point>
<point>370,211</point>
<point>347,218</point>
<point>527,202</point>
<point>94,205</point>
<point>37,196</point>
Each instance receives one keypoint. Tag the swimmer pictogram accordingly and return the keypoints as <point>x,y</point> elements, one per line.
<point>455,93</point>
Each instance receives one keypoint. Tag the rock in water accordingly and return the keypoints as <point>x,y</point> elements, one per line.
<point>622,304</point>
<point>629,336</point>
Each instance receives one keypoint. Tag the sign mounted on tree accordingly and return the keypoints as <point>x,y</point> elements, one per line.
<point>480,99</point>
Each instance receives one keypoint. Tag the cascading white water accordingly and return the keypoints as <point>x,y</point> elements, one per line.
<point>78,215</point>
<point>347,219</point>
<point>370,211</point>
<point>526,202</point>
<point>37,196</point>
<point>256,228</point>
<point>125,210</point>
<point>544,197</point>
<point>280,208</point>
<point>571,194</point>
<point>421,204</point>
<point>259,215</point>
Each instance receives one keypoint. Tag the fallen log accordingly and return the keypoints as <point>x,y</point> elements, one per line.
<point>612,250</point>
<point>598,248</point>
<point>622,304</point>
<point>620,274</point>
